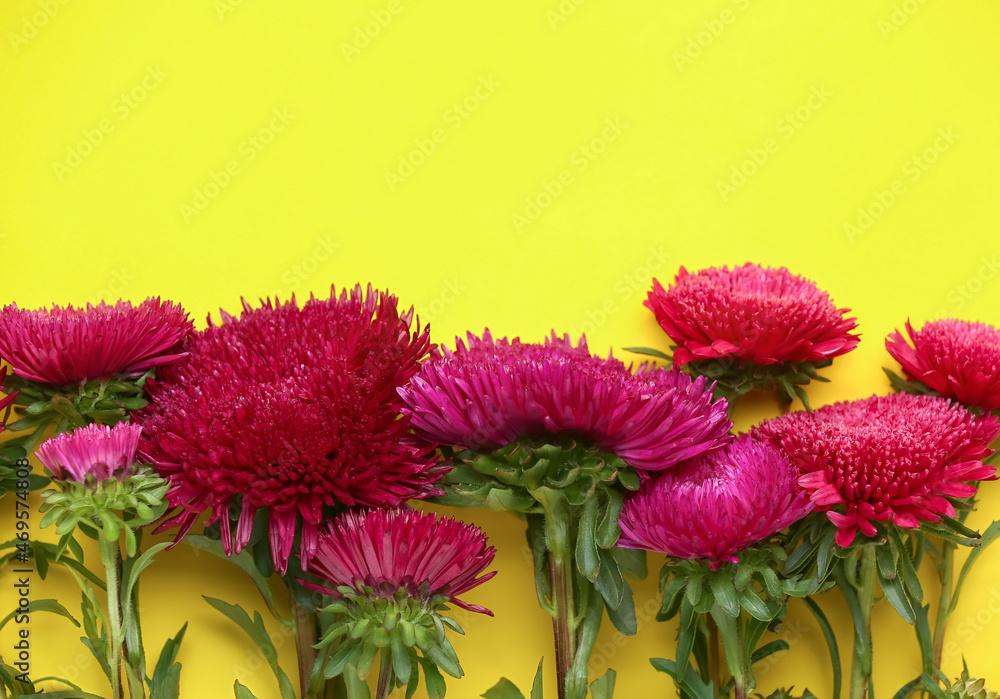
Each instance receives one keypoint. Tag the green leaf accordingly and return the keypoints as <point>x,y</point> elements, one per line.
<point>631,562</point>
<point>130,573</point>
<point>588,560</point>
<point>989,536</point>
<point>536,685</point>
<point>242,692</point>
<point>259,634</point>
<point>692,686</point>
<point>42,605</point>
<point>897,596</point>
<point>768,649</point>
<point>604,686</point>
<point>433,680</point>
<point>831,642</point>
<point>610,582</point>
<point>623,616</point>
<point>749,600</point>
<point>730,641</point>
<point>907,689</point>
<point>357,688</point>
<point>245,561</point>
<point>686,632</point>
<point>608,530</point>
<point>650,352</point>
<point>443,655</point>
<point>504,689</point>
<point>167,657</point>
<point>907,568</point>
<point>400,656</point>
<point>724,592</point>
<point>862,639</point>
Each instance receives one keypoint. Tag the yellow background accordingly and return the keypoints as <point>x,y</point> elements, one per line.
<point>521,165</point>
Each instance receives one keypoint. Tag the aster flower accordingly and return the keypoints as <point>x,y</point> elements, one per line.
<point>492,392</point>
<point>293,410</point>
<point>95,450</point>
<point>393,573</point>
<point>388,550</point>
<point>891,458</point>
<point>714,517</point>
<point>751,327</point>
<point>557,434</point>
<point>716,506</point>
<point>63,346</point>
<point>956,358</point>
<point>7,399</point>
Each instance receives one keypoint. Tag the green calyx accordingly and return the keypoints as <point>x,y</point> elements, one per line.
<point>734,378</point>
<point>969,688</point>
<point>783,693</point>
<point>752,584</point>
<point>108,507</point>
<point>507,478</point>
<point>40,405</point>
<point>368,621</point>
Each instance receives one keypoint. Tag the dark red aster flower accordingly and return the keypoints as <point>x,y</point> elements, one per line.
<point>292,410</point>
<point>391,549</point>
<point>71,345</point>
<point>957,358</point>
<point>886,458</point>
<point>715,506</point>
<point>489,393</point>
<point>754,314</point>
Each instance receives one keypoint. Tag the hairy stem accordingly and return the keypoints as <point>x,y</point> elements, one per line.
<point>860,677</point>
<point>384,676</point>
<point>111,559</point>
<point>305,639</point>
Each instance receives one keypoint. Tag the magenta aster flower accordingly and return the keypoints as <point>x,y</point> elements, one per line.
<point>489,393</point>
<point>754,314</point>
<point>97,450</point>
<point>392,549</point>
<point>71,345</point>
<point>715,506</point>
<point>886,458</point>
<point>6,400</point>
<point>958,359</point>
<point>292,410</point>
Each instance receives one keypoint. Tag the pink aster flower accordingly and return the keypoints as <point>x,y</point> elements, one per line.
<point>392,549</point>
<point>754,314</point>
<point>489,393</point>
<point>294,410</point>
<point>886,458</point>
<point>715,506</point>
<point>71,345</point>
<point>97,450</point>
<point>958,359</point>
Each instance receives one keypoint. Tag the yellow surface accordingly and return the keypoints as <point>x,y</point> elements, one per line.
<point>518,165</point>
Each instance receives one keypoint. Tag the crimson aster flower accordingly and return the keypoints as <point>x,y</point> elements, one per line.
<point>716,506</point>
<point>294,410</point>
<point>491,392</point>
<point>62,346</point>
<point>389,550</point>
<point>760,315</point>
<point>96,450</point>
<point>890,458</point>
<point>958,359</point>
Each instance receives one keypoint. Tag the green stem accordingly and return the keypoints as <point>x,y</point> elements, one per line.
<point>714,664</point>
<point>559,540</point>
<point>110,558</point>
<point>384,676</point>
<point>743,683</point>
<point>861,676</point>
<point>305,639</point>
<point>947,583</point>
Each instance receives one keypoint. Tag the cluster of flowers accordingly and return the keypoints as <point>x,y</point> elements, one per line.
<point>303,432</point>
